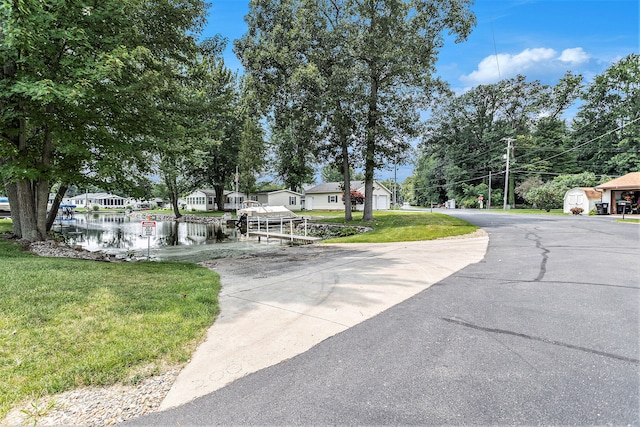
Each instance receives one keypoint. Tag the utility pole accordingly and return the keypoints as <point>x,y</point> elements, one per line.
<point>489,201</point>
<point>506,174</point>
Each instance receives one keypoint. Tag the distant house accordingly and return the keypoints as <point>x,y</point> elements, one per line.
<point>233,199</point>
<point>101,200</point>
<point>204,200</point>
<point>201,200</point>
<point>289,199</point>
<point>328,196</point>
<point>581,197</point>
<point>625,189</point>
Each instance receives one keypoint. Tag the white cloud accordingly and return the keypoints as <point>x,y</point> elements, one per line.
<point>508,65</point>
<point>537,61</point>
<point>574,56</point>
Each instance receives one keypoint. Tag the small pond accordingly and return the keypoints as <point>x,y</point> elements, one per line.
<point>119,234</point>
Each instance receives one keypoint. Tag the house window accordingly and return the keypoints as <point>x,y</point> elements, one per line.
<point>333,199</point>
<point>292,200</point>
<point>210,200</point>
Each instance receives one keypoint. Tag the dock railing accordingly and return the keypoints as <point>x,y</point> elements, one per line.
<point>282,222</point>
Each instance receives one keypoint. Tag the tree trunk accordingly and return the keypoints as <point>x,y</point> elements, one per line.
<point>172,187</point>
<point>51,216</point>
<point>27,211</point>
<point>41,202</point>
<point>42,185</point>
<point>370,149</point>
<point>348,215</point>
<point>219,197</point>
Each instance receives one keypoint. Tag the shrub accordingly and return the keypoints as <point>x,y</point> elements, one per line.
<point>546,197</point>
<point>576,210</point>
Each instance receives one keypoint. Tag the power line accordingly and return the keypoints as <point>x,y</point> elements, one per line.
<point>588,142</point>
<point>538,161</point>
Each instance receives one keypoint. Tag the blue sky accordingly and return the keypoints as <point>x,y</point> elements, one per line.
<point>540,39</point>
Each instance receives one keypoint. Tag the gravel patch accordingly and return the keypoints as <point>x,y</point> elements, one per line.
<point>95,406</point>
<point>51,248</point>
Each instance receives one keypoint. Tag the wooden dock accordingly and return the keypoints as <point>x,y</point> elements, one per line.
<point>283,236</point>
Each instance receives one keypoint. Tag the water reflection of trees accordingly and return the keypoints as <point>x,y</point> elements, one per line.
<point>171,235</point>
<point>119,232</point>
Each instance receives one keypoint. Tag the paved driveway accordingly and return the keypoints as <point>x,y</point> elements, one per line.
<point>543,331</point>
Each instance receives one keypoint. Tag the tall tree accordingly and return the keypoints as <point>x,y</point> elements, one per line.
<point>607,127</point>
<point>77,92</point>
<point>388,51</point>
<point>396,44</point>
<point>273,54</point>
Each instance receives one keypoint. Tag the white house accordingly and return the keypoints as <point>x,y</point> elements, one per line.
<point>581,197</point>
<point>201,200</point>
<point>233,199</point>
<point>328,196</point>
<point>289,199</point>
<point>102,200</point>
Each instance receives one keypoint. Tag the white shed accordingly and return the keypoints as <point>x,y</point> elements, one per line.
<point>581,197</point>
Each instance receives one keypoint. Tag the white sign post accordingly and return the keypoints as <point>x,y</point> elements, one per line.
<point>148,229</point>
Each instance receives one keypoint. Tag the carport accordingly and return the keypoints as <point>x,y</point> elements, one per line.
<point>622,193</point>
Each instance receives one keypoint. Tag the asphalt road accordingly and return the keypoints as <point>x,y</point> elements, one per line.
<point>543,331</point>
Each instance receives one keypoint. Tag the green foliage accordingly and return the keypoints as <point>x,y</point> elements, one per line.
<point>342,77</point>
<point>465,137</point>
<point>608,123</point>
<point>551,194</point>
<point>333,173</point>
<point>546,197</point>
<point>80,87</point>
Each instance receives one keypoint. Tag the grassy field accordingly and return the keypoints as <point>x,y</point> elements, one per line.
<point>67,323</point>
<point>399,226</point>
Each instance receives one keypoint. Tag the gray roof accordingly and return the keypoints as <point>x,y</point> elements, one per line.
<point>96,196</point>
<point>333,187</point>
<point>206,192</point>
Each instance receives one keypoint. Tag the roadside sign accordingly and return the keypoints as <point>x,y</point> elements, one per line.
<point>148,228</point>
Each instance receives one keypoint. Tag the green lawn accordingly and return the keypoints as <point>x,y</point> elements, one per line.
<point>399,226</point>
<point>66,323</point>
<point>629,220</point>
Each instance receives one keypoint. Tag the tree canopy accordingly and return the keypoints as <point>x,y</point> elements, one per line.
<point>465,139</point>
<point>347,76</point>
<point>79,92</point>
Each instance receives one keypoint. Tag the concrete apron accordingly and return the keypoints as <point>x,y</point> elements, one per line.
<point>266,320</point>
